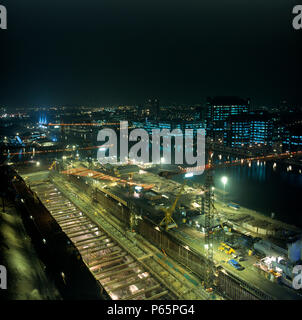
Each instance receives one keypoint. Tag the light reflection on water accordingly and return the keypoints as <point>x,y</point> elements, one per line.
<point>263,188</point>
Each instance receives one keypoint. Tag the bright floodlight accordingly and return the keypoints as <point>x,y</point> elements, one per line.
<point>189,175</point>
<point>224,180</point>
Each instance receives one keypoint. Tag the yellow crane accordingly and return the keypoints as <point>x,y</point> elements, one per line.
<point>52,165</point>
<point>168,221</point>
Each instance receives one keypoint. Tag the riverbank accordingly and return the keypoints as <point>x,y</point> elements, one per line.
<point>254,222</point>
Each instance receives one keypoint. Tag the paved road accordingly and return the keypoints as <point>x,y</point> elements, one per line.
<point>249,274</point>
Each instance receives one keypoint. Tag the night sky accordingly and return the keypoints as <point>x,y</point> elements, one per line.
<point>98,52</point>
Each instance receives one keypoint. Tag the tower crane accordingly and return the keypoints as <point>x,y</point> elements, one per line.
<point>209,210</point>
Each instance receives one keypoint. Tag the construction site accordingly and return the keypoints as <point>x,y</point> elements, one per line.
<point>138,235</point>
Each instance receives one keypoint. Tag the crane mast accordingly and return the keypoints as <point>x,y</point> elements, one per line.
<point>208,211</point>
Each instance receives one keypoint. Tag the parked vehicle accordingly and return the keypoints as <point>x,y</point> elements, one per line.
<point>235,264</point>
<point>234,206</point>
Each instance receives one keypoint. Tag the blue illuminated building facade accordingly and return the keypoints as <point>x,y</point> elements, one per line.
<point>261,129</point>
<point>43,119</point>
<point>219,110</point>
<point>249,130</point>
<point>238,134</point>
<point>170,125</point>
<point>292,140</point>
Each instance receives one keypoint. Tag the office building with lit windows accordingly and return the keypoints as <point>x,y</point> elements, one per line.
<point>219,109</point>
<point>249,130</point>
<point>169,125</point>
<point>292,140</point>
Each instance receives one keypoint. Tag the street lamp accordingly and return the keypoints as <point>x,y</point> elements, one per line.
<point>189,175</point>
<point>224,180</point>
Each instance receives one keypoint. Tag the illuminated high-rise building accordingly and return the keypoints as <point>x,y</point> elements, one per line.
<point>219,109</point>
<point>249,130</point>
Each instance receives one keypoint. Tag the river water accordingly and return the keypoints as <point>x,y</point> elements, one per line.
<point>262,188</point>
